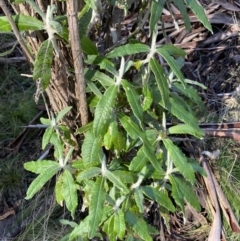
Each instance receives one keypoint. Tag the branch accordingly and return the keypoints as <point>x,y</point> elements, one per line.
<point>16,32</point>
<point>72,7</point>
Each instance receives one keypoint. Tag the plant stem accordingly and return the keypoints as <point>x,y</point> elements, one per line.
<point>16,32</point>
<point>72,9</point>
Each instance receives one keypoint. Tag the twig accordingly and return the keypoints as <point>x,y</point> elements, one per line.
<point>16,32</point>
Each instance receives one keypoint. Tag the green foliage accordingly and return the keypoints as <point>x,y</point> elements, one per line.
<point>127,155</point>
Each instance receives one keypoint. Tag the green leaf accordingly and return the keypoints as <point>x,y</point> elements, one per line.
<point>138,196</point>
<point>84,18</point>
<point>108,228</point>
<point>138,225</point>
<point>119,224</point>
<point>59,190</point>
<point>185,129</point>
<point>84,128</point>
<point>128,49</point>
<point>40,166</point>
<point>189,92</point>
<point>161,80</point>
<point>81,229</point>
<point>188,193</point>
<point>198,10</point>
<point>156,12</point>
<point>119,143</point>
<point>93,88</point>
<point>95,75</point>
<point>131,127</point>
<point>104,110</point>
<point>147,98</point>
<point>171,62</point>
<point>174,50</point>
<point>113,178</point>
<point>62,113</point>
<point>160,197</point>
<point>23,23</point>
<point>47,136</point>
<point>88,47</point>
<point>43,63</point>
<point>182,7</point>
<point>88,174</point>
<point>133,99</point>
<point>40,181</point>
<point>69,189</point>
<point>179,160</point>
<point>149,150</point>
<point>111,135</point>
<point>96,206</point>
<point>139,161</point>
<point>182,114</point>
<point>45,121</point>
<point>91,150</point>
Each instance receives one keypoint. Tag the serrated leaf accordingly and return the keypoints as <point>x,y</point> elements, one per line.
<point>119,143</point>
<point>91,150</point>
<point>23,23</point>
<point>88,174</point>
<point>128,49</point>
<point>40,166</point>
<point>147,98</point>
<point>133,99</point>
<point>131,127</point>
<point>156,12</point>
<point>161,80</point>
<point>189,92</point>
<point>181,6</point>
<point>111,135</point>
<point>40,181</point>
<point>139,161</point>
<point>84,128</point>
<point>59,190</point>
<point>182,114</point>
<point>179,160</point>
<point>108,228</point>
<point>84,18</point>
<point>172,63</point>
<point>69,189</point>
<point>119,224</point>
<point>47,136</point>
<point>187,190</point>
<point>177,193</point>
<point>149,152</point>
<point>116,181</point>
<point>138,196</point>
<point>198,10</point>
<point>184,129</point>
<point>174,50</point>
<point>138,225</point>
<point>96,206</point>
<point>160,197</point>
<point>43,63</point>
<point>88,47</point>
<point>81,229</point>
<point>103,111</point>
<point>125,176</point>
<point>92,87</point>
<point>62,113</point>
<point>95,75</point>
<point>45,121</point>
